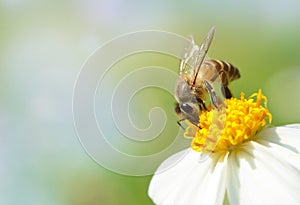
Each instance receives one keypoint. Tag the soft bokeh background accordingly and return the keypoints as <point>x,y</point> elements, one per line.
<point>43,45</point>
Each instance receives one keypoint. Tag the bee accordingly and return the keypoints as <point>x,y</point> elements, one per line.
<point>199,77</point>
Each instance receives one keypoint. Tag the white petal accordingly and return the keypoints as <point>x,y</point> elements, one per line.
<point>232,181</point>
<point>205,186</point>
<point>282,153</point>
<point>296,126</point>
<point>259,174</point>
<point>287,136</point>
<point>190,181</point>
<point>164,182</point>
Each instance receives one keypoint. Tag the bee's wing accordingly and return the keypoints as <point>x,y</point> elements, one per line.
<point>195,55</point>
<point>189,60</point>
<point>203,51</point>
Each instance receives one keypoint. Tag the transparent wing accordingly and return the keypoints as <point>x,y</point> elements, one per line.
<point>190,57</point>
<point>203,51</point>
<point>194,55</point>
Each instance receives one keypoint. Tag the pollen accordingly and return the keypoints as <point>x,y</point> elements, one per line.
<point>240,121</point>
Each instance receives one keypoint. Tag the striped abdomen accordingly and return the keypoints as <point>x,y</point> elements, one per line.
<point>230,72</point>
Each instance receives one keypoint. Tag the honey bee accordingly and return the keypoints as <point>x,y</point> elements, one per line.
<point>200,76</point>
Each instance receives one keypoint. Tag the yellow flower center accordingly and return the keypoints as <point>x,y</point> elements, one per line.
<point>240,122</point>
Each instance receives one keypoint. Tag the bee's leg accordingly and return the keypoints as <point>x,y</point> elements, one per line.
<point>225,90</point>
<point>202,104</point>
<point>212,93</point>
<point>179,123</point>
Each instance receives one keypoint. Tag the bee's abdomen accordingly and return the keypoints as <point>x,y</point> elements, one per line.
<point>230,70</point>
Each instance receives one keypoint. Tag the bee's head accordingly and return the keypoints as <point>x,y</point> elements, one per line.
<point>189,111</point>
<point>187,105</point>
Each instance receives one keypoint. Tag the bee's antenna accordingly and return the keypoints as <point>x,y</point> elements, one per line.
<point>204,47</point>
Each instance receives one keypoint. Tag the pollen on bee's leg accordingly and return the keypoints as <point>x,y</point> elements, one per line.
<point>243,119</point>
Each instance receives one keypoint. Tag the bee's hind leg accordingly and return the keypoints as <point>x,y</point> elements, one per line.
<point>225,90</point>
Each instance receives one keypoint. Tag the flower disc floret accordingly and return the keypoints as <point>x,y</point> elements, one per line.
<point>244,118</point>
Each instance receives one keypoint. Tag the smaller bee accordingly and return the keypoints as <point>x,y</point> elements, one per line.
<point>199,76</point>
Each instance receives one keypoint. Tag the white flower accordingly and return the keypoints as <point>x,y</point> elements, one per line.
<point>264,169</point>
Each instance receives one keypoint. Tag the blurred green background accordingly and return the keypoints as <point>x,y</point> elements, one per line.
<point>45,43</point>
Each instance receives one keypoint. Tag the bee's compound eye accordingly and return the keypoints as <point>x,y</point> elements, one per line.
<point>186,108</point>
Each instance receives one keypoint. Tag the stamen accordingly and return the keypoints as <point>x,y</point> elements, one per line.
<point>244,118</point>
